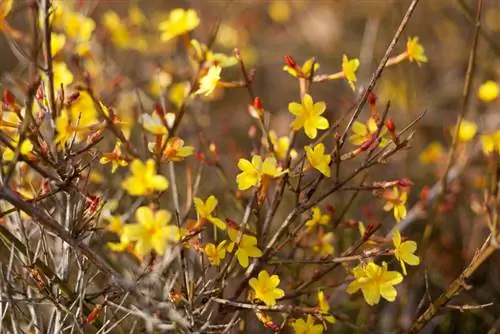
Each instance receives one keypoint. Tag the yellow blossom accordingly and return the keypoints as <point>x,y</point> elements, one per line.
<point>349,68</point>
<point>116,158</point>
<point>179,22</point>
<point>26,149</point>
<point>491,143</point>
<point>178,93</point>
<point>152,231</point>
<point>136,16</point>
<point>116,224</point>
<point>324,244</point>
<point>154,124</point>
<point>5,8</point>
<point>200,53</point>
<point>364,132</point>
<point>65,130</point>
<point>209,81</point>
<point>432,153</point>
<point>324,307</point>
<point>318,159</point>
<point>307,327</point>
<point>62,75</point>
<point>76,25</point>
<point>266,288</point>
<point>308,116</point>
<point>466,132</point>
<point>174,150</point>
<point>214,253</point>
<point>205,210</point>
<point>375,281</point>
<point>281,145</point>
<point>488,91</point>
<point>57,42</point>
<point>279,11</point>
<point>415,51</point>
<point>253,173</point>
<point>396,201</point>
<point>317,218</point>
<point>246,249</point>
<point>403,251</point>
<point>117,29</point>
<point>305,69</point>
<point>144,180</point>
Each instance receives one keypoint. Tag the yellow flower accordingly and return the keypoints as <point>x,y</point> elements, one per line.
<point>176,151</point>
<point>116,224</point>
<point>201,53</point>
<point>403,251</point>
<point>431,153</point>
<point>349,68</point>
<point>306,68</point>
<point>415,51</point>
<point>375,281</point>
<point>364,132</point>
<point>396,201</point>
<point>62,75</point>
<point>209,81</point>
<point>488,91</point>
<point>466,132</point>
<point>116,158</point>
<point>318,159</point>
<point>279,11</point>
<point>491,143</point>
<point>325,307</point>
<point>179,22</point>
<point>266,288</point>
<point>152,231</point>
<point>252,173</point>
<point>281,146</point>
<point>57,42</point>
<point>5,8</point>
<point>308,116</point>
<point>65,130</point>
<point>324,244</point>
<point>247,248</point>
<point>214,253</point>
<point>117,29</point>
<point>317,218</point>
<point>154,124</point>
<point>76,25</point>
<point>144,180</point>
<point>26,149</point>
<point>205,210</point>
<point>178,93</point>
<point>307,327</point>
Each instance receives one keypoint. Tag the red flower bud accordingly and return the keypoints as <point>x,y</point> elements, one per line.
<point>405,183</point>
<point>390,125</point>
<point>366,145</point>
<point>372,98</point>
<point>330,208</point>
<point>290,62</point>
<point>8,98</point>
<point>257,103</point>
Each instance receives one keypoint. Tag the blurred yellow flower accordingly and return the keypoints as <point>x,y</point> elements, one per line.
<point>209,81</point>
<point>57,42</point>
<point>324,244</point>
<point>466,132</point>
<point>266,288</point>
<point>491,143</point>
<point>396,201</point>
<point>488,91</point>
<point>62,75</point>
<point>403,251</point>
<point>179,22</point>
<point>25,149</point>
<point>205,210</point>
<point>176,151</point>
<point>432,153</point>
<point>307,327</point>
<point>415,51</point>
<point>308,116</point>
<point>317,218</point>
<point>281,145</point>
<point>117,29</point>
<point>375,281</point>
<point>252,173</point>
<point>325,307</point>
<point>64,129</point>
<point>154,124</point>
<point>279,11</point>
<point>144,180</point>
<point>318,159</point>
<point>364,132</point>
<point>76,25</point>
<point>305,69</point>
<point>136,16</point>
<point>246,249</point>
<point>215,254</point>
<point>349,68</point>
<point>5,8</point>
<point>178,93</point>
<point>152,231</point>
<point>115,158</point>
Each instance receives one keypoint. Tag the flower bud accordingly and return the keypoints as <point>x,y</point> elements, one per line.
<point>390,125</point>
<point>8,98</point>
<point>257,103</point>
<point>290,62</point>
<point>372,98</point>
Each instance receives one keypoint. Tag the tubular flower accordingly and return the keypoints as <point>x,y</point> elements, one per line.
<point>415,51</point>
<point>179,22</point>
<point>144,180</point>
<point>325,307</point>
<point>466,132</point>
<point>307,327</point>
<point>215,254</point>
<point>152,231</point>
<point>116,158</point>
<point>375,281</point>
<point>306,68</point>
<point>116,225</point>
<point>396,201</point>
<point>488,91</point>
<point>317,218</point>
<point>403,251</point>
<point>364,132</point>
<point>318,159</point>
<point>205,210</point>
<point>253,173</point>
<point>349,68</point>
<point>491,143</point>
<point>209,81</point>
<point>266,288</point>
<point>432,153</point>
<point>246,249</point>
<point>281,145</point>
<point>308,116</point>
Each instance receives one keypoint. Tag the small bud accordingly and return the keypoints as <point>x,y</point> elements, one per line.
<point>390,125</point>
<point>367,144</point>
<point>424,193</point>
<point>330,208</point>
<point>8,98</point>
<point>257,103</point>
<point>372,98</point>
<point>200,156</point>
<point>405,183</point>
<point>290,62</point>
